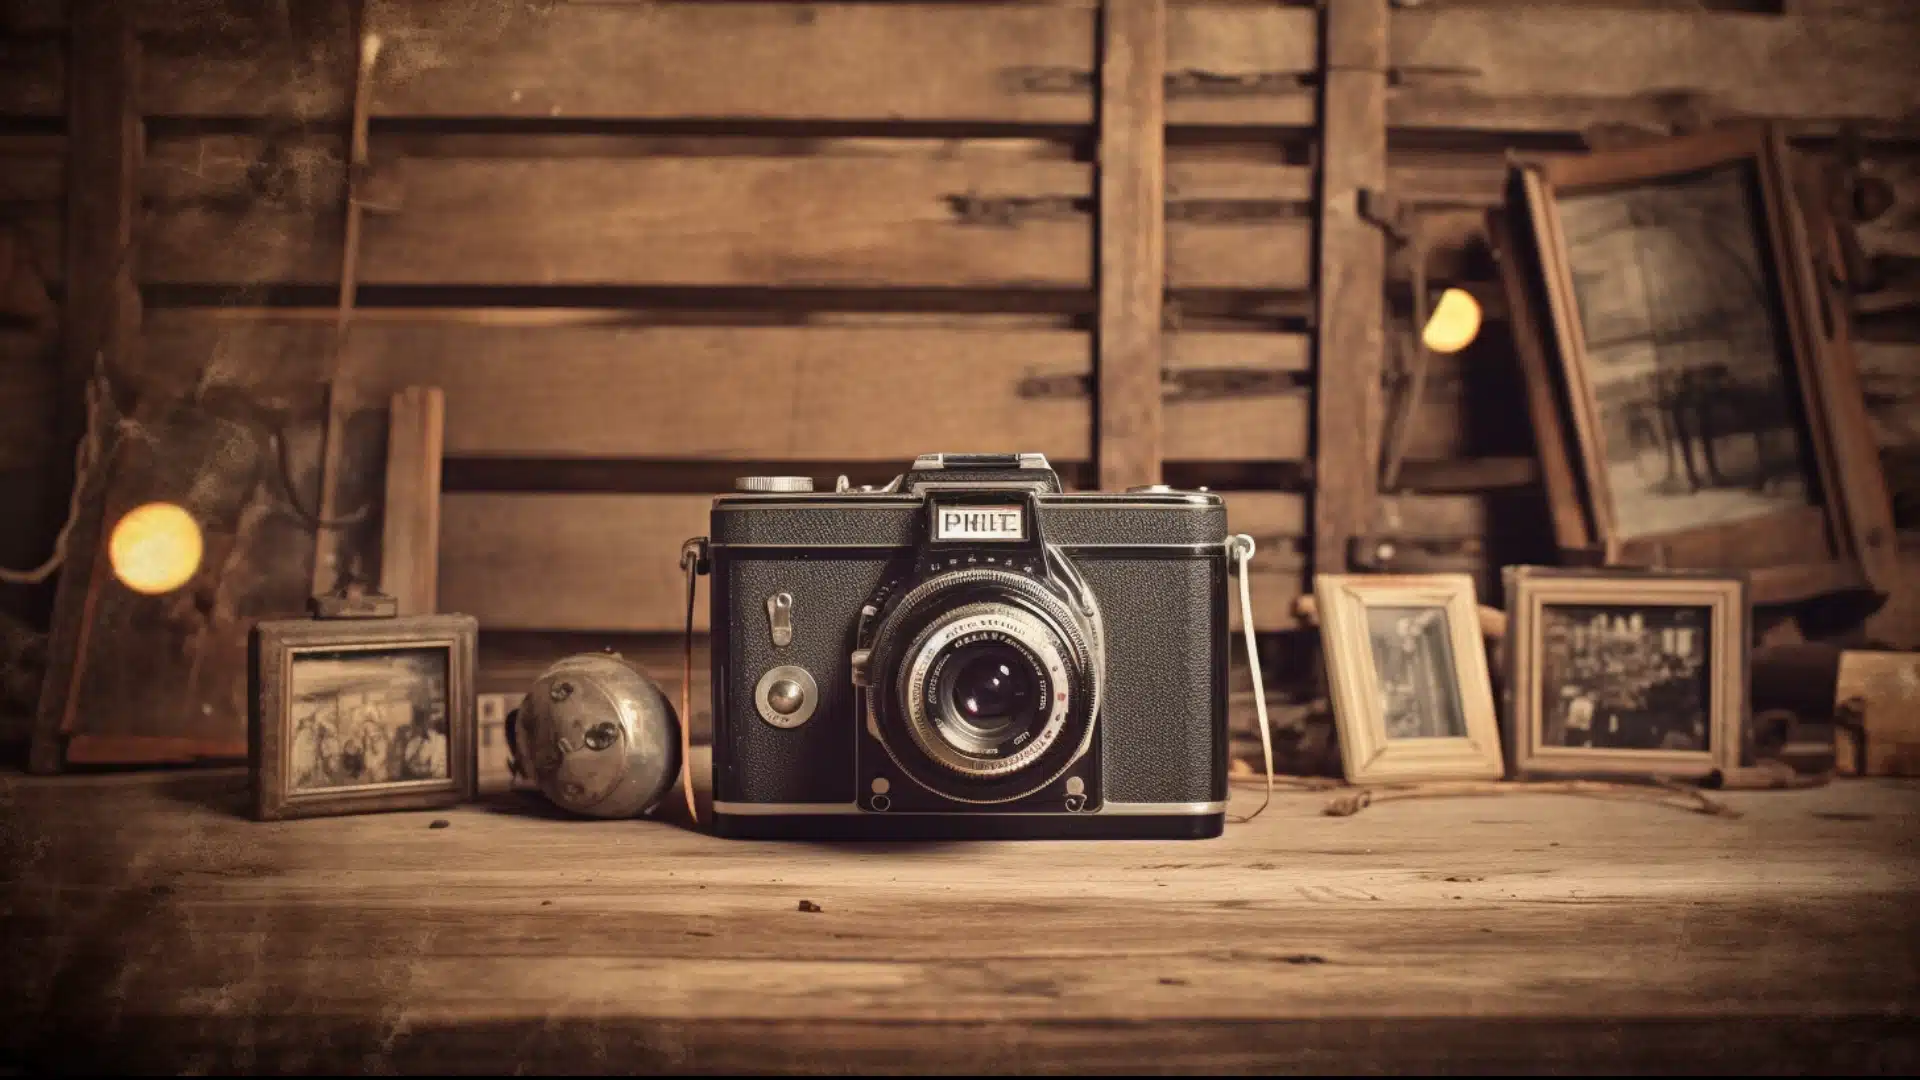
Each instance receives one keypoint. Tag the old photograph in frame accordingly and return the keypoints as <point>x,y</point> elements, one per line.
<point>1625,672</point>
<point>1692,405</point>
<point>358,715</point>
<point>1412,695</point>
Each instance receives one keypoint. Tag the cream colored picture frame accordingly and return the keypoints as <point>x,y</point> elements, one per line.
<point>1721,603</point>
<point>1365,617</point>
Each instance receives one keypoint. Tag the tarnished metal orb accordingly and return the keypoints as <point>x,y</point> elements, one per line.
<point>598,737</point>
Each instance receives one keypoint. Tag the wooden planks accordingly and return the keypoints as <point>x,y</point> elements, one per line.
<point>805,392</point>
<point>1132,273</point>
<point>1794,918</point>
<point>1351,280</point>
<point>610,562</point>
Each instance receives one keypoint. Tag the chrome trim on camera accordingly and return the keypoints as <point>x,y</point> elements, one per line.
<point>1186,809</point>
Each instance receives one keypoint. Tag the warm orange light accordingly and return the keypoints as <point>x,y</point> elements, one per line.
<point>1454,324</point>
<point>155,548</point>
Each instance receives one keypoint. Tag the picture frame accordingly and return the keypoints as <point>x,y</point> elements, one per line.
<point>1694,397</point>
<point>1626,672</point>
<point>362,715</point>
<point>1408,675</point>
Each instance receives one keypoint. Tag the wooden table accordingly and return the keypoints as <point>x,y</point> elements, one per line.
<point>150,926</point>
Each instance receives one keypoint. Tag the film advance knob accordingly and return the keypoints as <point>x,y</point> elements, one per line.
<point>774,483</point>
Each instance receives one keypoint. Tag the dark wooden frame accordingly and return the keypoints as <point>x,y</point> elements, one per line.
<point>1791,555</point>
<point>274,644</point>
<point>1530,588</point>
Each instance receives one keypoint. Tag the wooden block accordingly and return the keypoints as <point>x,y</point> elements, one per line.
<point>1133,253</point>
<point>1352,263</point>
<point>609,563</point>
<point>1887,686</point>
<point>410,548</point>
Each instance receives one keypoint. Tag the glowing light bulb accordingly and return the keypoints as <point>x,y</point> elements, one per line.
<point>155,548</point>
<point>1454,324</point>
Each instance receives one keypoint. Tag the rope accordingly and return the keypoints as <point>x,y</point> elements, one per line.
<point>89,456</point>
<point>1241,548</point>
<point>1663,793</point>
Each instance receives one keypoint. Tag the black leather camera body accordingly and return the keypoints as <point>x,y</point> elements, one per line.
<point>968,652</point>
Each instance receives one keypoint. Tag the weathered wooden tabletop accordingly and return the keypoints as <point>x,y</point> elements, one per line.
<point>151,927</point>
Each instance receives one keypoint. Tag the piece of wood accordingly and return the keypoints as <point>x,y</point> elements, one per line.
<point>1351,265</point>
<point>1132,273</point>
<point>1884,689</point>
<point>1773,941</point>
<point>609,562</point>
<point>101,323</point>
<point>410,544</point>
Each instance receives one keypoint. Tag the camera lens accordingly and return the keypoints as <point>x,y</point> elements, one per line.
<point>990,698</point>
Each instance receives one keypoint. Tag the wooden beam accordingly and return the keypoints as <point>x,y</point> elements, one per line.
<point>1132,246</point>
<point>410,545</point>
<point>1351,271</point>
<point>101,318</point>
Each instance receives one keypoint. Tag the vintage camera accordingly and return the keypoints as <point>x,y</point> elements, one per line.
<point>968,652</point>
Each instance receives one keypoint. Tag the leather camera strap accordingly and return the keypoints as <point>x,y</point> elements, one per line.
<point>1240,547</point>
<point>692,556</point>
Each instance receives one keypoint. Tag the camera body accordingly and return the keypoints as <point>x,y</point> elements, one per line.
<point>968,652</point>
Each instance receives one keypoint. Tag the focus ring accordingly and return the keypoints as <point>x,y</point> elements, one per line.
<point>1031,638</point>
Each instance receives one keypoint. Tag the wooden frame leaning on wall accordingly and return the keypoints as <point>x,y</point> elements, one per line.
<point>1668,302</point>
<point>1432,716</point>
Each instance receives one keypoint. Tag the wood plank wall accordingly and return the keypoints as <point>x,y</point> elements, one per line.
<point>645,247</point>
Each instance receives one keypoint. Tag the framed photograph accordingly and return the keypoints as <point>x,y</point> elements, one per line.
<point>1625,672</point>
<point>1693,393</point>
<point>1412,696</point>
<point>355,716</point>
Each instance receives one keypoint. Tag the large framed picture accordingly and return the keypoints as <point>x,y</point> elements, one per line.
<point>361,715</point>
<point>1625,672</point>
<point>1693,393</point>
<point>1412,696</point>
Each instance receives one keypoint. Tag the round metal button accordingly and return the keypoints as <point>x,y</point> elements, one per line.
<point>786,696</point>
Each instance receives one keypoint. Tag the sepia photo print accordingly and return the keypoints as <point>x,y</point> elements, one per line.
<point>1687,352</point>
<point>368,717</point>
<point>1620,677</point>
<point>355,715</point>
<point>1632,671</point>
<point>1407,673</point>
<point>1413,658</point>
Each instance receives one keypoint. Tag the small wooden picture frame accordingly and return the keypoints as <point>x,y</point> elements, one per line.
<point>1694,396</point>
<point>361,715</point>
<point>1412,695</point>
<point>1625,672</point>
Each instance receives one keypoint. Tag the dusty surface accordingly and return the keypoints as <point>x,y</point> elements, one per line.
<point>149,926</point>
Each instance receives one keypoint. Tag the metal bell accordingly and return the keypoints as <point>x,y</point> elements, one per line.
<point>597,736</point>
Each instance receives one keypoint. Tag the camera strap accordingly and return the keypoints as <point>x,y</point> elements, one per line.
<point>1240,548</point>
<point>694,560</point>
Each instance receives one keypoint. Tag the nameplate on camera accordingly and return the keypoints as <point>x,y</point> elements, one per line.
<point>980,523</point>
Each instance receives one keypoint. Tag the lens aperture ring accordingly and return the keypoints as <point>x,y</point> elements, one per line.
<point>1029,637</point>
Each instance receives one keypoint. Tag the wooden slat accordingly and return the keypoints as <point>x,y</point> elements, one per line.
<point>780,393</point>
<point>836,221</point>
<point>610,562</point>
<point>1560,68</point>
<point>1352,265</point>
<point>1132,274</point>
<point>410,546</point>
<point>101,323</point>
